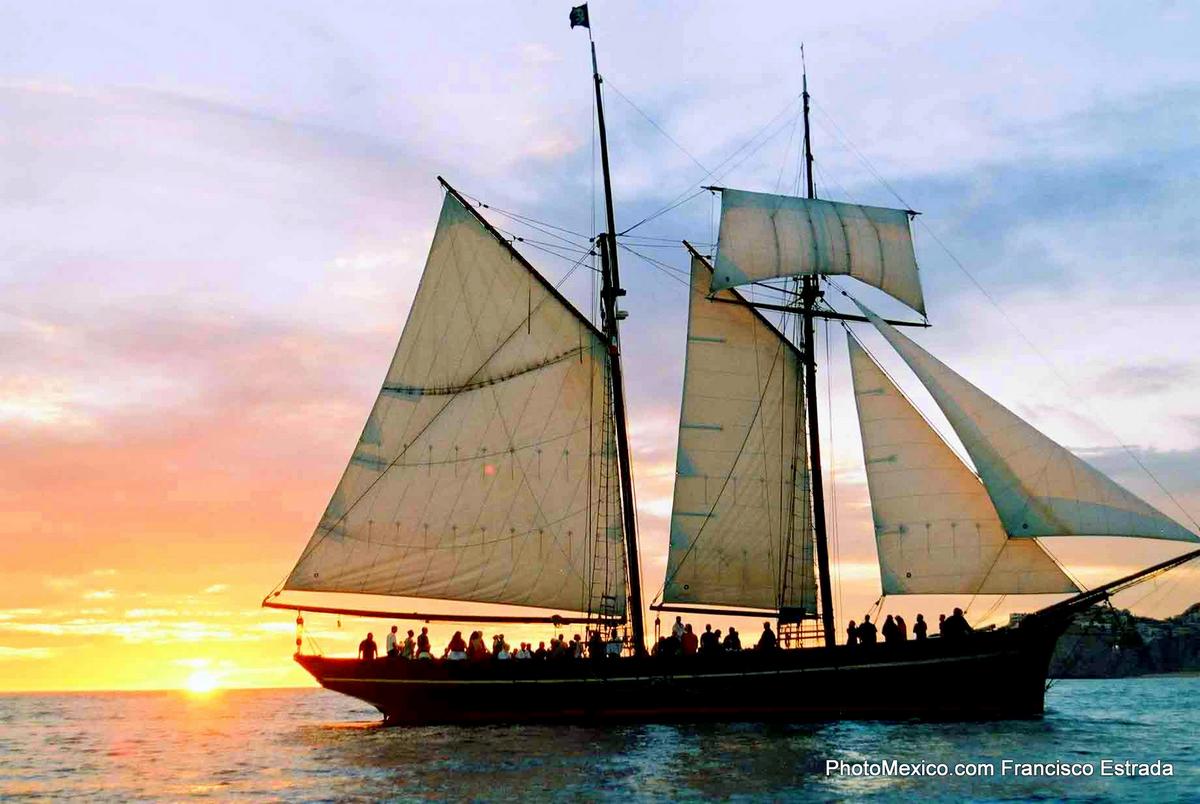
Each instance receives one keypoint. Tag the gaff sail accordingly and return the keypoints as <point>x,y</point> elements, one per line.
<point>741,483</point>
<point>935,527</point>
<point>480,473</point>
<point>765,236</point>
<point>1038,487</point>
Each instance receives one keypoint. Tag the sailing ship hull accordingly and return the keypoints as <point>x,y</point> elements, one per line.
<point>998,674</point>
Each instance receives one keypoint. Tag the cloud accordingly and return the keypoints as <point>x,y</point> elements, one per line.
<point>19,654</point>
<point>216,588</point>
<point>100,594</point>
<point>1143,379</point>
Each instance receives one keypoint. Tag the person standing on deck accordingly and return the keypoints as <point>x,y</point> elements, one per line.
<point>920,628</point>
<point>903,626</point>
<point>890,631</point>
<point>393,649</point>
<point>732,642</point>
<point>678,629</point>
<point>689,641</point>
<point>612,649</point>
<point>851,634</point>
<point>866,631</point>
<point>367,649</point>
<point>595,645</point>
<point>457,649</point>
<point>424,649</point>
<point>767,641</point>
<point>956,626</point>
<point>409,649</point>
<point>476,650</point>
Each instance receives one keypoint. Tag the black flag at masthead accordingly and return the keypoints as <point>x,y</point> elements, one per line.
<point>579,16</point>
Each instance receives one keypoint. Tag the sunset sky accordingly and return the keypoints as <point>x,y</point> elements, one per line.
<point>213,219</point>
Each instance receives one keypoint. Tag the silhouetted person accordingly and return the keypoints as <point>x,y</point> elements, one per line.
<point>409,649</point>
<point>612,648</point>
<point>596,646</point>
<point>890,631</point>
<point>942,624</point>
<point>678,629</point>
<point>732,642</point>
<point>903,626</point>
<point>852,634</point>
<point>709,642</point>
<point>457,649</point>
<point>957,625</point>
<point>541,652</point>
<point>767,640</point>
<point>689,641</point>
<point>393,649</point>
<point>424,649</point>
<point>920,628</point>
<point>476,649</point>
<point>866,631</point>
<point>367,649</point>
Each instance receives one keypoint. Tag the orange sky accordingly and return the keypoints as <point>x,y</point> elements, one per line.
<point>208,252</point>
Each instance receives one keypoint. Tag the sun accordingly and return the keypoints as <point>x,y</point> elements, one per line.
<point>201,682</point>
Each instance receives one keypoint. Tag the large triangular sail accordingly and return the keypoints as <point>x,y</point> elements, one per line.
<point>480,473</point>
<point>1038,487</point>
<point>741,491</point>
<point>935,527</point>
<point>763,236</point>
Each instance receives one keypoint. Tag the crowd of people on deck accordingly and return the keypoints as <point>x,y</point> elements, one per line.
<point>681,641</point>
<point>474,648</point>
<point>895,629</point>
<point>684,641</point>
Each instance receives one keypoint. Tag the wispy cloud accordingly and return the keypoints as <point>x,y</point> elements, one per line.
<point>24,654</point>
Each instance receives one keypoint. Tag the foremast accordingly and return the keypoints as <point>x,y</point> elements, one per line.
<point>610,291</point>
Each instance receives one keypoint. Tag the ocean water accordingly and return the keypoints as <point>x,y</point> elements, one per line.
<point>305,745</point>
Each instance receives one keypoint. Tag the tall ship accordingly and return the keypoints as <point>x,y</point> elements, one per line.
<point>494,468</point>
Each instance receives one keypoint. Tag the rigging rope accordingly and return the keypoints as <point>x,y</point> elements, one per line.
<point>651,121</point>
<point>717,172</point>
<point>1013,325</point>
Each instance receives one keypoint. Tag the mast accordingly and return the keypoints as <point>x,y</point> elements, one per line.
<point>810,293</point>
<point>610,291</point>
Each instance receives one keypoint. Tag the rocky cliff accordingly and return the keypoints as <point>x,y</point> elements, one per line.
<point>1107,643</point>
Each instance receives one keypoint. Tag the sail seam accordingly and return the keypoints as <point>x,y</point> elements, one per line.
<point>449,390</point>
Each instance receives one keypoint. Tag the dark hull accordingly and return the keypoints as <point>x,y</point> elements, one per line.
<point>987,675</point>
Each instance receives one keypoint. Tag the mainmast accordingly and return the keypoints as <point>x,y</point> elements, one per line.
<point>810,293</point>
<point>610,291</point>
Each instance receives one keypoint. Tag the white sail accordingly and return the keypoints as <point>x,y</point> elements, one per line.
<point>478,474</point>
<point>935,526</point>
<point>741,475</point>
<point>764,236</point>
<point>1038,487</point>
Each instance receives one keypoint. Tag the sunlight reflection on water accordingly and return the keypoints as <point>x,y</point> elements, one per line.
<point>305,744</point>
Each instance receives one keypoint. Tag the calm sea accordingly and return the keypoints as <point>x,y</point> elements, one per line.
<point>311,745</point>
